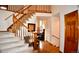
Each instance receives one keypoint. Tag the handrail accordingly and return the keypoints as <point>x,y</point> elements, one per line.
<point>23,10</point>
<point>24,14</point>
<point>18,13</point>
<point>28,10</point>
<point>17,21</point>
<point>31,10</point>
<point>20,22</point>
<point>55,37</point>
<point>27,7</point>
<point>23,25</point>
<point>37,10</point>
<point>8,16</point>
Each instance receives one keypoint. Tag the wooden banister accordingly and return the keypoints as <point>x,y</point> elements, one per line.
<point>36,8</point>
<point>16,20</point>
<point>16,24</point>
<point>22,10</point>
<point>26,8</point>
<point>23,24</point>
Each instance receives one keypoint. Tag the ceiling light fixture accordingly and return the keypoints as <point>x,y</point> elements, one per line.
<point>3,7</point>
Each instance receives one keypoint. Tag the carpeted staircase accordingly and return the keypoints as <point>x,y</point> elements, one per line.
<point>11,44</point>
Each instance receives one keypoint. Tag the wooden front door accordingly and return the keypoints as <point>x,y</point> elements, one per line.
<point>71,32</point>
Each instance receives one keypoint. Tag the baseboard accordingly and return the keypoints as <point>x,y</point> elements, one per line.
<point>51,44</point>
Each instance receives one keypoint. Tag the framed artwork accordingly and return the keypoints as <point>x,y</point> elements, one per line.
<point>31,27</point>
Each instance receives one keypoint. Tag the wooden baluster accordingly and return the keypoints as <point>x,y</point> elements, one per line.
<point>45,8</point>
<point>17,33</point>
<point>41,8</point>
<point>24,31</point>
<point>21,32</point>
<point>37,8</point>
<point>49,8</point>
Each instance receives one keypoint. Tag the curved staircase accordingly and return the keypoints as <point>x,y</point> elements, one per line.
<point>11,44</point>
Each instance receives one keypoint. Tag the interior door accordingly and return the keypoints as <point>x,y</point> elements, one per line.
<point>71,32</point>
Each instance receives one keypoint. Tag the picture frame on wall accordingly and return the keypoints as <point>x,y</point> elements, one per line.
<point>31,27</point>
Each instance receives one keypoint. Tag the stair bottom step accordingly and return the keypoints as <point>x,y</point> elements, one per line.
<point>22,49</point>
<point>28,50</point>
<point>13,50</point>
<point>11,45</point>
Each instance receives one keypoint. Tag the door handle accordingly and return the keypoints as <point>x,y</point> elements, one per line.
<point>76,40</point>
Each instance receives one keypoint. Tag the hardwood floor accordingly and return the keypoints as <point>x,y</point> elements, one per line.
<point>48,48</point>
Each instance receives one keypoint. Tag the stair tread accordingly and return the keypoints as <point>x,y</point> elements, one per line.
<point>27,50</point>
<point>11,45</point>
<point>6,34</point>
<point>7,40</point>
<point>7,37</point>
<point>15,49</point>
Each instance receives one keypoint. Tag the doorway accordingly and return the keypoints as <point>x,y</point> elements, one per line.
<point>71,32</point>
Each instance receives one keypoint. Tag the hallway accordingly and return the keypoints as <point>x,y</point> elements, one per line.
<point>48,48</point>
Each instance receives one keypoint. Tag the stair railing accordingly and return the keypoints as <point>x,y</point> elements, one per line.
<point>18,23</point>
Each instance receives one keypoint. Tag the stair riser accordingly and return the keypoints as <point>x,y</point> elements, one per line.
<point>4,36</point>
<point>3,41</point>
<point>14,50</point>
<point>11,45</point>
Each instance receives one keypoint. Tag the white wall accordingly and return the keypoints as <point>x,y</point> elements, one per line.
<point>48,30</point>
<point>4,24</point>
<point>62,10</point>
<point>55,24</point>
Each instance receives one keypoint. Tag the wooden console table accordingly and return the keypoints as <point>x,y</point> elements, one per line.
<point>36,42</point>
